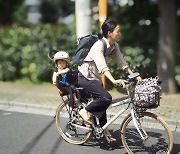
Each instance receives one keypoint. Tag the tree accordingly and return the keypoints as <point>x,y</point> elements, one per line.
<point>9,10</point>
<point>49,11</point>
<point>167,45</point>
<point>52,10</point>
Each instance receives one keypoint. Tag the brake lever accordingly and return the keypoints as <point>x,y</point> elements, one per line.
<point>126,81</point>
<point>134,75</point>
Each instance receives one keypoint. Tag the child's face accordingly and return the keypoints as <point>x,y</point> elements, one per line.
<point>61,64</point>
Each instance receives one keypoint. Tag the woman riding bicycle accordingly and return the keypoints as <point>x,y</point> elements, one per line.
<point>95,64</point>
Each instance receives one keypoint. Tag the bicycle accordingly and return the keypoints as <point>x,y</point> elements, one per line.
<point>140,131</point>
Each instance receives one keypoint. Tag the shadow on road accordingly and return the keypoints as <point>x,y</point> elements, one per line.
<point>176,149</point>
<point>103,144</point>
<point>30,146</point>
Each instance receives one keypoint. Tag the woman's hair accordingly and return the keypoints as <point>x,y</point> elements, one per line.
<point>107,26</point>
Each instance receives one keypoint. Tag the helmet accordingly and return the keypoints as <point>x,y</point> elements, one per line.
<point>61,55</point>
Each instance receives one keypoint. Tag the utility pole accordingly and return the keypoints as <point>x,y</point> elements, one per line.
<point>83,17</point>
<point>102,11</point>
<point>102,18</point>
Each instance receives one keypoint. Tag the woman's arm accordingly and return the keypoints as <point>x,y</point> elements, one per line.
<point>109,76</point>
<point>128,70</point>
<point>118,57</point>
<point>118,82</point>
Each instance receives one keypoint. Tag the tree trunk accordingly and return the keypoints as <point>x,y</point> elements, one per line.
<point>167,45</point>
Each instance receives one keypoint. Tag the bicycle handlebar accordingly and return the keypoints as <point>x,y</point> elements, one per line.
<point>131,77</point>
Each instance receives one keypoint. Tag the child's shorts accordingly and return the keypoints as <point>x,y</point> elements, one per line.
<point>64,90</point>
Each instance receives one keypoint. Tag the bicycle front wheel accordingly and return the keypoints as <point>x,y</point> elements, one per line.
<point>70,126</point>
<point>158,137</point>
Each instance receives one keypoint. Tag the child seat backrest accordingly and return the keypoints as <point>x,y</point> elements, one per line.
<point>72,77</point>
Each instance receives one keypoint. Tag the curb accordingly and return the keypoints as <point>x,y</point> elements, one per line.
<point>27,106</point>
<point>173,124</point>
<point>53,108</point>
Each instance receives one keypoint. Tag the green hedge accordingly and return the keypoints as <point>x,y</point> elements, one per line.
<point>23,51</point>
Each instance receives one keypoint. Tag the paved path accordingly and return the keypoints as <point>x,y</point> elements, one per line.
<point>47,96</point>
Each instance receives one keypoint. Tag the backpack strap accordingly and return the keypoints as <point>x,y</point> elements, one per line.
<point>105,46</point>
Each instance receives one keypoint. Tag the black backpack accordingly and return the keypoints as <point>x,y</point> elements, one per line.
<point>84,45</point>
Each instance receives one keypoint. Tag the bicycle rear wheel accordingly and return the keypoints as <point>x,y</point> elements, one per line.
<point>159,138</point>
<point>70,126</point>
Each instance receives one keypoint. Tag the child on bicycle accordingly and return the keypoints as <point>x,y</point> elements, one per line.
<point>61,72</point>
<point>61,60</point>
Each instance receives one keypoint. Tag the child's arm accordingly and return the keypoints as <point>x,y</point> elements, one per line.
<point>62,71</point>
<point>54,78</point>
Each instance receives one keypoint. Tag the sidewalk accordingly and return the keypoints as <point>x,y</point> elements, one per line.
<point>41,96</point>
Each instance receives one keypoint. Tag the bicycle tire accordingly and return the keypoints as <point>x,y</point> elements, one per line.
<point>160,140</point>
<point>66,128</point>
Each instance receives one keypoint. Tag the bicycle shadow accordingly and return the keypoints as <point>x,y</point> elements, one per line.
<point>176,149</point>
<point>102,143</point>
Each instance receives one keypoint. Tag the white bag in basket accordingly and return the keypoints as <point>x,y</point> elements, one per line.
<point>145,92</point>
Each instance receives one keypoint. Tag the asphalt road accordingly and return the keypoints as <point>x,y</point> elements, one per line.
<point>27,133</point>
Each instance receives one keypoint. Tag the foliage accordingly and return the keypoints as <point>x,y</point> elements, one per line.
<point>139,28</point>
<point>177,76</point>
<point>137,62</point>
<point>23,51</point>
<point>52,10</point>
<point>12,11</point>
<point>20,15</point>
<point>49,11</point>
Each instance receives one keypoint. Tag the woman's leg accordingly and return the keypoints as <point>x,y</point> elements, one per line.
<point>102,99</point>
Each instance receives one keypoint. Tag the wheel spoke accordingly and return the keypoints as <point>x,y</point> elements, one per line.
<point>159,137</point>
<point>70,126</point>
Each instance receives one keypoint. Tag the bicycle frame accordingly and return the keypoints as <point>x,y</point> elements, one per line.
<point>111,120</point>
<point>122,102</point>
<point>136,126</point>
<point>129,101</point>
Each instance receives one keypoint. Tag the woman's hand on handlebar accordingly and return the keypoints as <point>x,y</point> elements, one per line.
<point>119,82</point>
<point>138,78</point>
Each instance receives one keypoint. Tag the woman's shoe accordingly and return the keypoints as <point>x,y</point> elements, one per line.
<point>85,116</point>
